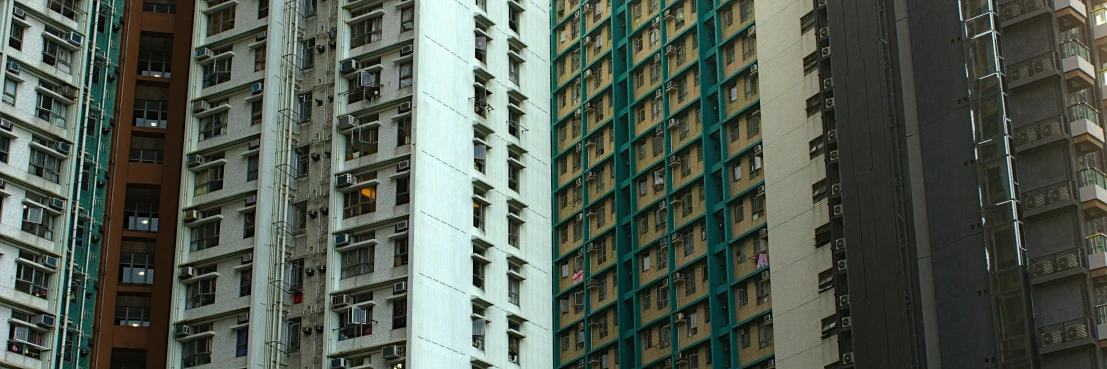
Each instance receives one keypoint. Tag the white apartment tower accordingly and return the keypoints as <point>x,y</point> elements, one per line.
<point>804,307</point>
<point>365,187</point>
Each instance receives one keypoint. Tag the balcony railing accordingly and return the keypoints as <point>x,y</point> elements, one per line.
<point>1019,7</point>
<point>1039,197</point>
<point>1031,67</point>
<point>1038,130</point>
<point>1057,262</point>
<point>1101,314</point>
<point>1059,333</point>
<point>1099,16</point>
<point>1083,111</point>
<point>1092,177</point>
<point>1075,48</point>
<point>1097,243</point>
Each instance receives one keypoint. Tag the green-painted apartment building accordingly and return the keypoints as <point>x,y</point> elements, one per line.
<point>661,245</point>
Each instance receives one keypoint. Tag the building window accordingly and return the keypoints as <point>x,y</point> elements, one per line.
<point>155,64</point>
<point>360,142</point>
<point>259,58</point>
<point>403,195</point>
<point>22,340</point>
<point>136,268</point>
<point>15,40</point>
<point>480,51</point>
<point>10,87</point>
<point>403,131</point>
<point>514,67</point>
<point>263,9</point>
<point>248,224</point>
<point>50,109</point>
<point>405,75</point>
<point>220,21</point>
<point>358,262</point>
<point>363,201</point>
<point>134,316</point>
<point>478,274</point>
<point>55,55</point>
<point>304,107</point>
<point>141,215</point>
<point>294,334</point>
<point>218,72</point>
<point>399,313</point>
<point>764,336</point>
<point>201,292</point>
<point>478,215</point>
<point>255,113</point>
<point>513,286</point>
<point>196,352</point>
<point>205,236</point>
<point>30,280</point>
<point>209,180</point>
<point>241,342</point>
<point>307,53</point>
<point>366,31</point>
<point>251,168</point>
<point>5,148</point>
<point>151,113</point>
<point>407,19</point>
<point>399,249</point>
<point>213,126</point>
<point>245,282</point>
<point>44,165</point>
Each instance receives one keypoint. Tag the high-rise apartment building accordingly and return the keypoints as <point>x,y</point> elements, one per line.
<point>661,247</point>
<point>963,151</point>
<point>55,144</point>
<point>364,186</point>
<point>793,37</point>
<point>132,314</point>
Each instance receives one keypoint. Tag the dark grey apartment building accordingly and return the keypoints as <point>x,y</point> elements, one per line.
<point>966,140</point>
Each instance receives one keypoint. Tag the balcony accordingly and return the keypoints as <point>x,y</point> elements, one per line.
<point>1044,199</point>
<point>1024,71</point>
<point>1057,265</point>
<point>1099,25</point>
<point>1075,56</point>
<point>1040,132</point>
<point>1093,193</point>
<point>1064,335</point>
<point>1087,131</point>
<point>1070,13</point>
<point>1097,257</point>
<point>1018,8</point>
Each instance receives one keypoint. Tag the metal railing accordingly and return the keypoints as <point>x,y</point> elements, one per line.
<point>1057,262</point>
<point>1019,7</point>
<point>1096,243</point>
<point>1031,67</point>
<point>1038,130</point>
<point>1059,333</point>
<point>1083,111</point>
<point>1075,48</point>
<point>1099,16</point>
<point>1047,195</point>
<point>1091,177</point>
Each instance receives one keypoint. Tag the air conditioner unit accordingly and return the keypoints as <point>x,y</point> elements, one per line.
<point>251,200</point>
<point>847,322</point>
<point>587,40</point>
<point>840,244</point>
<point>243,318</point>
<point>838,209</point>
<point>830,103</point>
<point>767,319</point>
<point>347,122</point>
<point>254,144</point>
<point>678,277</point>
<point>399,287</point>
<point>343,180</point>
<point>588,106</point>
<point>847,358</point>
<point>181,330</point>
<point>833,155</point>
<point>203,53</point>
<point>835,189</point>
<point>190,216</point>
<point>200,106</point>
<point>761,190</point>
<point>341,240</point>
<point>401,226</point>
<point>76,38</point>
<point>403,165</point>
<point>842,265</point>
<point>591,247</point>
<point>763,232</point>
<point>843,300</point>
<point>657,22</point>
<point>580,147</point>
<point>13,67</point>
<point>828,83</point>
<point>260,36</point>
<point>57,203</point>
<point>195,160</point>
<point>657,94</point>
<point>757,149</point>
<point>824,32</point>
<point>404,107</point>
<point>341,301</point>
<point>257,88</point>
<point>826,52</point>
<point>753,69</point>
<point>349,66</point>
<point>668,14</point>
<point>69,91</point>
<point>392,352</point>
<point>832,135</point>
<point>50,262</point>
<point>673,122</point>
<point>589,176</point>
<point>765,275</point>
<point>406,50</point>
<point>577,113</point>
<point>19,13</point>
<point>771,363</point>
<point>669,50</point>
<point>592,284</point>
<point>656,58</point>
<point>587,73</point>
<point>669,86</point>
<point>187,272</point>
<point>247,259</point>
<point>6,124</point>
<point>340,363</point>
<point>680,318</point>
<point>752,30</point>
<point>44,320</point>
